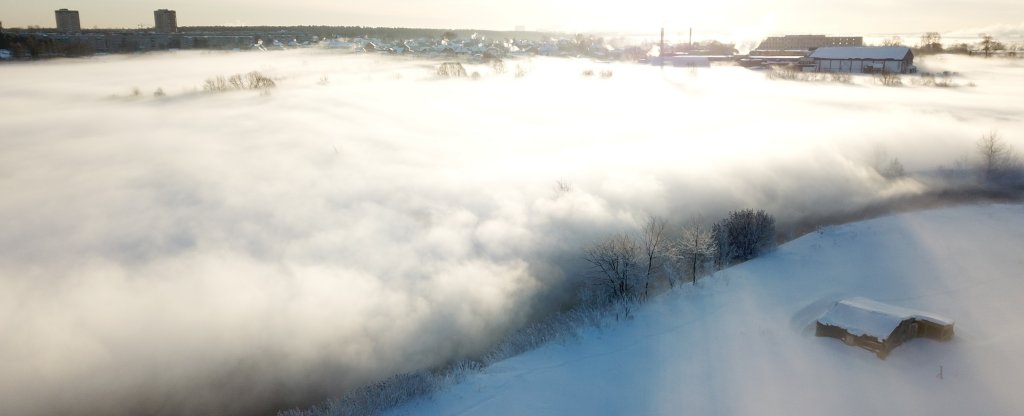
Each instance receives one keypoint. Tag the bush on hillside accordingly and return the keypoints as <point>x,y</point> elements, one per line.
<point>743,235</point>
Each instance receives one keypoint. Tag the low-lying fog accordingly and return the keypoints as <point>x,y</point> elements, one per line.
<point>237,252</point>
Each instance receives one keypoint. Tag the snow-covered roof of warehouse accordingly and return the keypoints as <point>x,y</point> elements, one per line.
<point>862,52</point>
<point>860,316</point>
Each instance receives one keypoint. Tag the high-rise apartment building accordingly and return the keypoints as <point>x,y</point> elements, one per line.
<point>166,21</point>
<point>67,21</point>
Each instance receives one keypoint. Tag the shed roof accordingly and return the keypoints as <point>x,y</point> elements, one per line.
<point>861,316</point>
<point>881,53</point>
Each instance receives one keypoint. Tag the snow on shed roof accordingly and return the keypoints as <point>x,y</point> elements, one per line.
<point>862,52</point>
<point>860,316</point>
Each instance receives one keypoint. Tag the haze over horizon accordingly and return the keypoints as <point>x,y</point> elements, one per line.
<point>737,19</point>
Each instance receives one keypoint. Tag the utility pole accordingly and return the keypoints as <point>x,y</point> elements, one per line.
<point>661,48</point>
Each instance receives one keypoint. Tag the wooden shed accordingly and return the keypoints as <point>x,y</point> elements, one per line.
<point>879,327</point>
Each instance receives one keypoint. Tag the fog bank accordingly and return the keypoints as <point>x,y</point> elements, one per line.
<point>238,252</point>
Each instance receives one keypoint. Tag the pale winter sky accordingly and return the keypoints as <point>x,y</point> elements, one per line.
<point>709,17</point>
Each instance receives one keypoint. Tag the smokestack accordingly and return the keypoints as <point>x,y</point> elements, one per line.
<point>661,48</point>
<point>691,38</point>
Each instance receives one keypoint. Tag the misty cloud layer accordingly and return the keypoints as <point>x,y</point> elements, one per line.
<point>235,252</point>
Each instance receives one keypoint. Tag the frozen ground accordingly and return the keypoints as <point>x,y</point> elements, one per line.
<point>742,342</point>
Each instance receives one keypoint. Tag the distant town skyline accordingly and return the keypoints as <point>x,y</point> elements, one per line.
<point>735,18</point>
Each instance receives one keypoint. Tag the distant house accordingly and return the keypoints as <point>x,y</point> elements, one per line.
<point>878,327</point>
<point>864,59</point>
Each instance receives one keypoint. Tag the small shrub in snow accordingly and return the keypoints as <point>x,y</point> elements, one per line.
<point>889,79</point>
<point>794,73</point>
<point>888,167</point>
<point>839,77</point>
<point>452,70</point>
<point>942,80</point>
<point>498,66</point>
<point>251,81</point>
<point>521,71</point>
<point>787,73</point>
<point>257,81</point>
<point>893,170</point>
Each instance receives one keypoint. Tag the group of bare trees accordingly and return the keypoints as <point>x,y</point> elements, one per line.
<point>931,43</point>
<point>250,81</point>
<point>626,266</point>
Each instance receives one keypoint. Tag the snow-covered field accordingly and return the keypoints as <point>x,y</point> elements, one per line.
<point>742,342</point>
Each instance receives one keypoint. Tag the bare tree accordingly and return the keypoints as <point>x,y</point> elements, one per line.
<point>931,42</point>
<point>616,266</point>
<point>998,160</point>
<point>697,246</point>
<point>654,245</point>
<point>892,41</point>
<point>988,44</point>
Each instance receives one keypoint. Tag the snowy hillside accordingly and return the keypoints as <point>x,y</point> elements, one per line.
<point>742,342</point>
